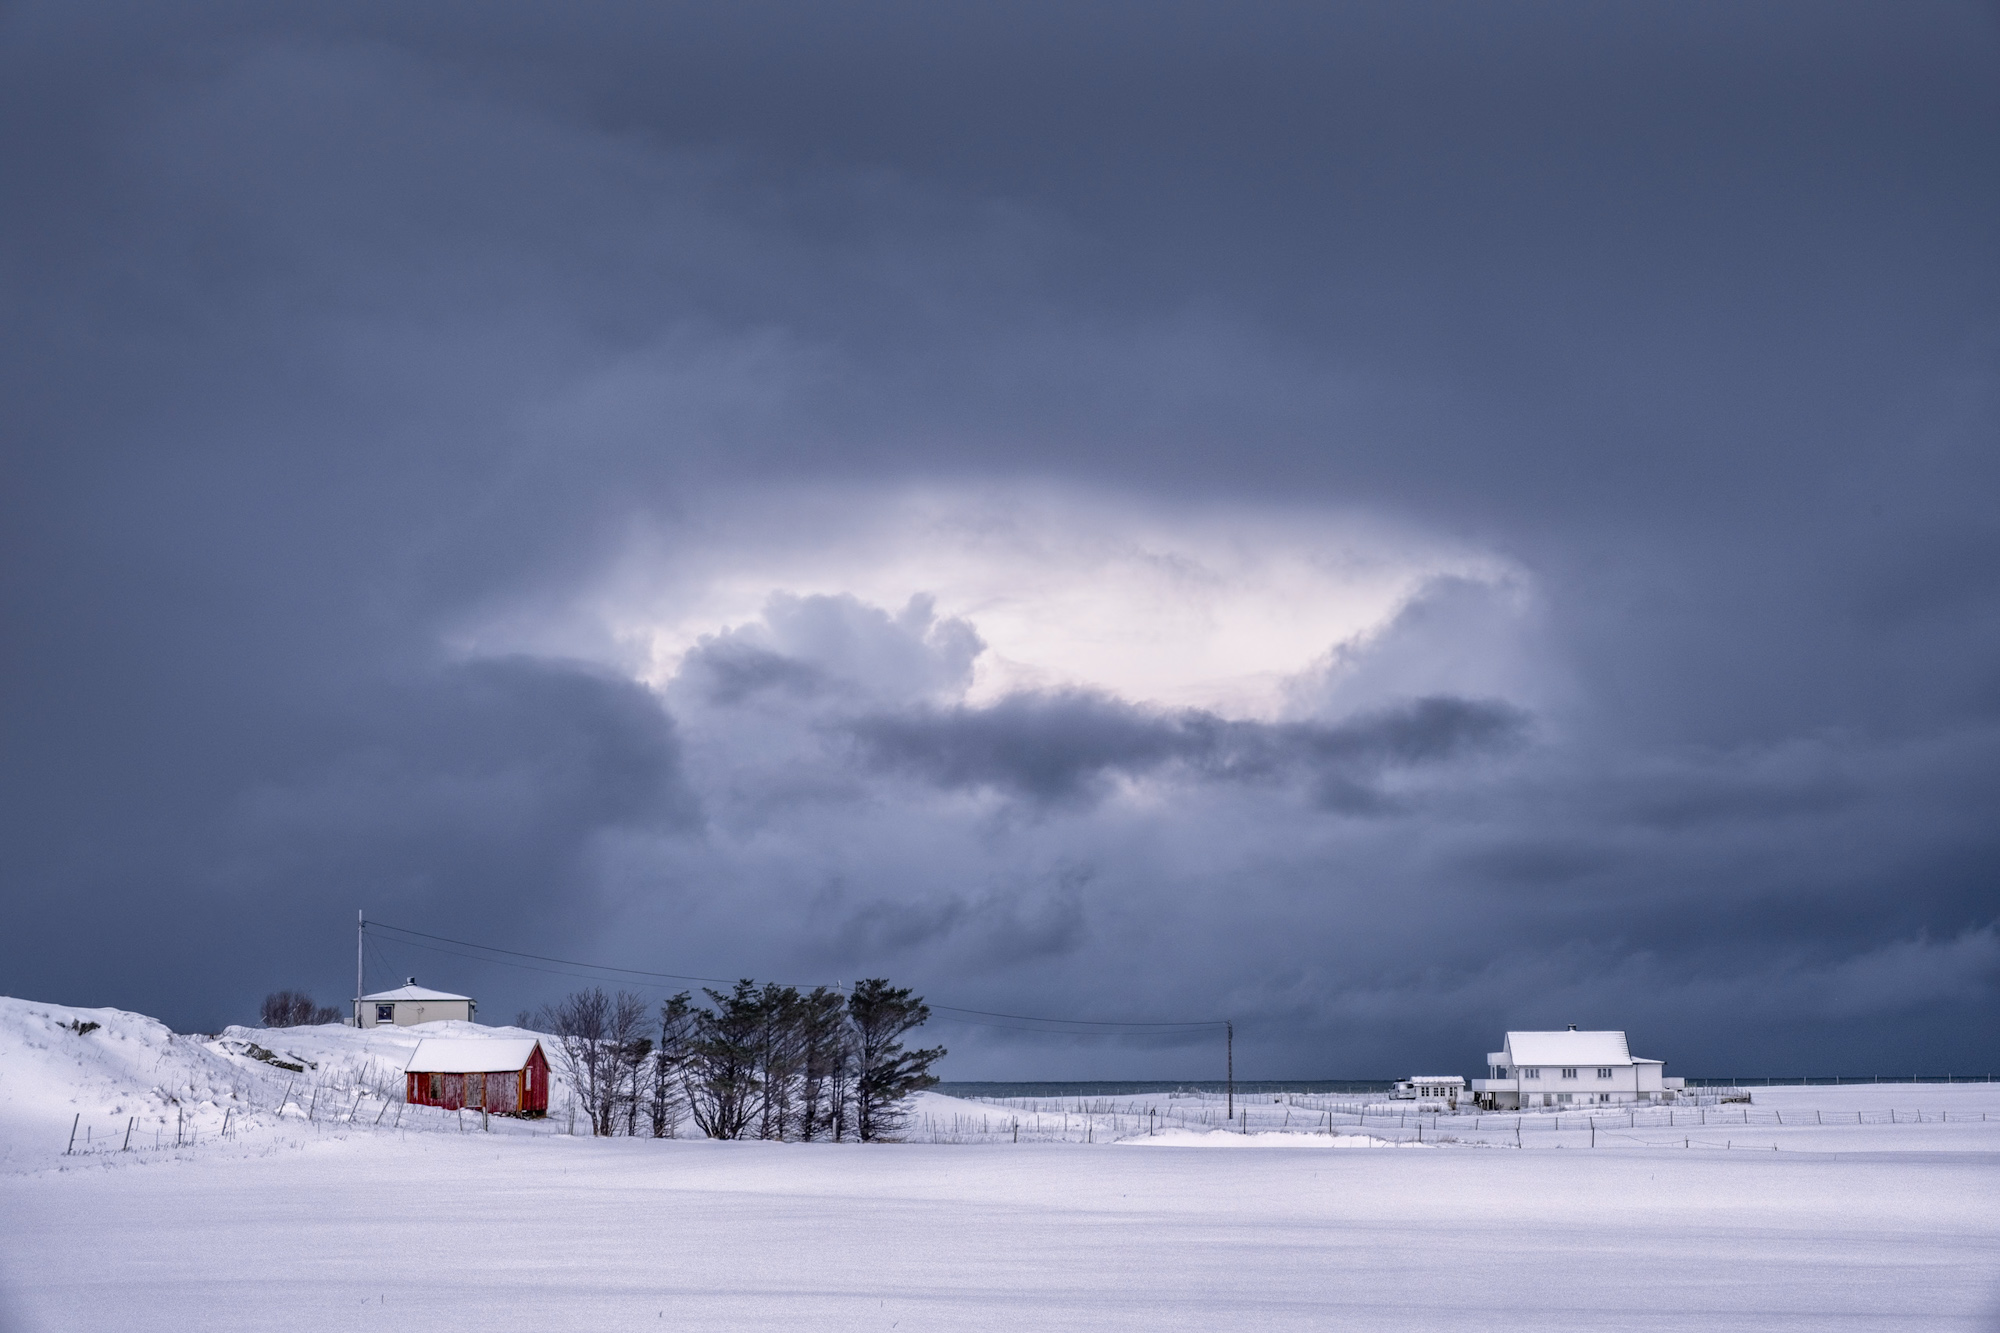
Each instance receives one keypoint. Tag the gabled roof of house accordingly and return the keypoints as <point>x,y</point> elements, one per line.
<point>1568,1048</point>
<point>471,1055</point>
<point>412,993</point>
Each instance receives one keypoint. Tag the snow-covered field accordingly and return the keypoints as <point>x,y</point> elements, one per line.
<point>327,1214</point>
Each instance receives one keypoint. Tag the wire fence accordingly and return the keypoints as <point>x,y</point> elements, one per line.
<point>201,1127</point>
<point>1103,1120</point>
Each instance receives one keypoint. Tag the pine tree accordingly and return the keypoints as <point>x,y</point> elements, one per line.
<point>780,1056</point>
<point>724,1066</point>
<point>667,1096</point>
<point>827,1060</point>
<point>886,1074</point>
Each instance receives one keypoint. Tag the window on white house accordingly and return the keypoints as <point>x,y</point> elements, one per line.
<point>385,1013</point>
<point>1604,1073</point>
<point>1569,1073</point>
<point>1531,1073</point>
<point>1562,1096</point>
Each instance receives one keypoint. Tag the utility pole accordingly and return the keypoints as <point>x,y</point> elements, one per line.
<point>360,926</point>
<point>1229,1028</point>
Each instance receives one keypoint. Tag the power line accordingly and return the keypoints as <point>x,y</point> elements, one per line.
<point>530,967</point>
<point>1095,1027</point>
<point>540,958</point>
<point>1088,1022</point>
<point>1075,1034</point>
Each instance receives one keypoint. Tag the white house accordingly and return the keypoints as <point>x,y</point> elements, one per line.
<point>1570,1069</point>
<point>411,1004</point>
<point>1444,1090</point>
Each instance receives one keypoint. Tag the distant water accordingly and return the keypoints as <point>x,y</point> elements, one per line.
<point>1114,1089</point>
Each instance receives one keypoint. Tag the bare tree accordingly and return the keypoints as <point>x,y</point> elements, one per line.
<point>885,1074</point>
<point>580,1023</point>
<point>295,1009</point>
<point>626,1035</point>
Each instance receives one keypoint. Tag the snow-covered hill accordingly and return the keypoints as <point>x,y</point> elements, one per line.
<point>123,1080</point>
<point>124,1084</point>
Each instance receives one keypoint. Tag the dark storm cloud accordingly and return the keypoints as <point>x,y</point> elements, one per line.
<point>332,332</point>
<point>508,759</point>
<point>1005,928</point>
<point>732,672</point>
<point>1060,747</point>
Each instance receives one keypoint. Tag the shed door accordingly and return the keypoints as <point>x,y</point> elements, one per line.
<point>475,1090</point>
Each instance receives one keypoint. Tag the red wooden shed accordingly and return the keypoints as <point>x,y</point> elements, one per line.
<point>501,1075</point>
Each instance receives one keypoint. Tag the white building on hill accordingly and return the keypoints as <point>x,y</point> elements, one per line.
<point>408,1005</point>
<point>1570,1069</point>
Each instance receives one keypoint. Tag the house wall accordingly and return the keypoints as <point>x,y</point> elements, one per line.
<point>535,1085</point>
<point>503,1092</point>
<point>409,1013</point>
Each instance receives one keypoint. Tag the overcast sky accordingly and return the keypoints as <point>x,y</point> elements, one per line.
<point>1385,523</point>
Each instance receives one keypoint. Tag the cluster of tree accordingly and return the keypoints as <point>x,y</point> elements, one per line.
<point>767,1062</point>
<point>295,1009</point>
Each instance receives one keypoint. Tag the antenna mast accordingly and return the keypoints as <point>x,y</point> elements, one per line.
<point>360,925</point>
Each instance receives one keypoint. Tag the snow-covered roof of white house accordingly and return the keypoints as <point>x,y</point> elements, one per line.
<point>412,992</point>
<point>1435,1078</point>
<point>471,1055</point>
<point>1569,1048</point>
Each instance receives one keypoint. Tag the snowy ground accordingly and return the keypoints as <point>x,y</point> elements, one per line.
<point>343,1219</point>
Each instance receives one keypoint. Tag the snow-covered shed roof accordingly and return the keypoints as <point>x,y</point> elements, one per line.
<point>1568,1048</point>
<point>471,1055</point>
<point>412,992</point>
